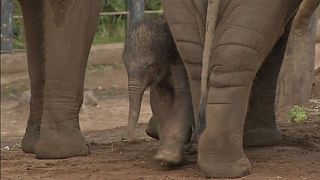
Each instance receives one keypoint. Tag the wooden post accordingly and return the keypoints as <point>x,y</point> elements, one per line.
<point>297,72</point>
<point>318,26</point>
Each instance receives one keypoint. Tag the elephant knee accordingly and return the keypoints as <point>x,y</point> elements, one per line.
<point>229,87</point>
<point>229,57</point>
<point>232,72</point>
<point>234,65</point>
<point>231,77</point>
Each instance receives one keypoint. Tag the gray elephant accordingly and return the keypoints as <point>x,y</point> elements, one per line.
<point>251,38</point>
<point>245,60</point>
<point>152,60</point>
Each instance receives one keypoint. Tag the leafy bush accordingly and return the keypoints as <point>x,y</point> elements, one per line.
<point>298,114</point>
<point>18,30</point>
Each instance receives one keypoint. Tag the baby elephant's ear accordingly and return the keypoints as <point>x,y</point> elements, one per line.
<point>186,19</point>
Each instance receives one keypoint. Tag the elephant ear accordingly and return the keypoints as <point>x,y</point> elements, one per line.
<point>297,72</point>
<point>187,19</point>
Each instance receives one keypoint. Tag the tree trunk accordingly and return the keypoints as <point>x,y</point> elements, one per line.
<point>297,72</point>
<point>318,26</point>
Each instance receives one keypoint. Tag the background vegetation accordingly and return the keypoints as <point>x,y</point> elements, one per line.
<point>111,29</point>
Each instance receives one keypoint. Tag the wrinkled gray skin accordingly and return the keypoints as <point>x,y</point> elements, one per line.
<point>247,53</point>
<point>152,60</point>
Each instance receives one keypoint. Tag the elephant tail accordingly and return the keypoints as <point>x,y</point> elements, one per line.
<point>211,22</point>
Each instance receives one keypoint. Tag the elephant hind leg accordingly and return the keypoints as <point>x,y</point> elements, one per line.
<point>260,126</point>
<point>34,38</point>
<point>245,40</point>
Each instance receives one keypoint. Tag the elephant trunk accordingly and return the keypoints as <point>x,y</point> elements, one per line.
<point>136,89</point>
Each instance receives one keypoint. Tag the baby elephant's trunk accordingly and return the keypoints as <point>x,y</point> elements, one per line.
<point>136,89</point>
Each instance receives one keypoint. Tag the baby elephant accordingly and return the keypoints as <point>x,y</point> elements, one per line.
<point>152,60</point>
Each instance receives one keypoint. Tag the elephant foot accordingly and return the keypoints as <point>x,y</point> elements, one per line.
<point>256,137</point>
<point>152,133</point>
<point>222,156</point>
<point>30,138</point>
<point>223,167</point>
<point>170,156</point>
<point>52,145</point>
<point>152,128</point>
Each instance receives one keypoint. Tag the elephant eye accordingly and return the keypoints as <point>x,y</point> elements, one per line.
<point>152,66</point>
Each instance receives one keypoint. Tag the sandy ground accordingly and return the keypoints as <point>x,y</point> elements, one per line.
<point>297,157</point>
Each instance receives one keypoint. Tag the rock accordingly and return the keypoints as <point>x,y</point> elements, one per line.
<point>6,148</point>
<point>25,97</point>
<point>89,99</point>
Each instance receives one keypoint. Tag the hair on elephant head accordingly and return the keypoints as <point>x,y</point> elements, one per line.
<point>149,49</point>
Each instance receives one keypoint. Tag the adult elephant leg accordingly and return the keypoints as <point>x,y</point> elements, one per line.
<point>186,19</point>
<point>69,27</point>
<point>260,127</point>
<point>32,16</point>
<point>245,35</point>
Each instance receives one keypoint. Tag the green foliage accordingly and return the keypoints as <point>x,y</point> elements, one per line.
<point>104,67</point>
<point>17,9</point>
<point>153,4</point>
<point>298,114</point>
<point>114,5</point>
<point>18,29</point>
<point>110,29</point>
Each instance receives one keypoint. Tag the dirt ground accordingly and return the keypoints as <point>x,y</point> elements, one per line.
<point>113,157</point>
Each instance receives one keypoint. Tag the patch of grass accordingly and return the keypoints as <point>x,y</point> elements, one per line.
<point>103,67</point>
<point>118,66</point>
<point>97,67</point>
<point>105,93</point>
<point>298,114</point>
<point>10,92</point>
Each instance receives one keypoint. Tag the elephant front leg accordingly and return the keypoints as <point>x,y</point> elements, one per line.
<point>175,119</point>
<point>33,23</point>
<point>69,28</point>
